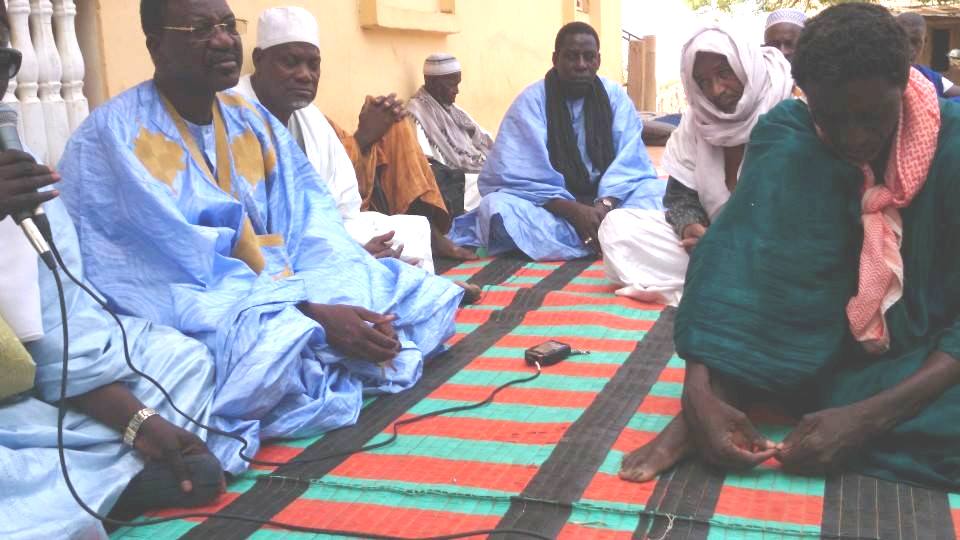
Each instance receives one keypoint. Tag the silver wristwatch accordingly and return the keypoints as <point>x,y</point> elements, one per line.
<point>606,203</point>
<point>133,428</point>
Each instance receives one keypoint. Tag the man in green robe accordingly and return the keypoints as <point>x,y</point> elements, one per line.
<point>830,284</point>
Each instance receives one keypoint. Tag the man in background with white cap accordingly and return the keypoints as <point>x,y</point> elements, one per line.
<point>379,167</point>
<point>446,132</point>
<point>783,30</point>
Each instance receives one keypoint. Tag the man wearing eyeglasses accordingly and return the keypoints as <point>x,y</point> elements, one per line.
<point>196,209</point>
<point>123,443</point>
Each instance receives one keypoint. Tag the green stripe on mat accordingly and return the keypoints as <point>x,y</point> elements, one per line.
<point>544,382</point>
<point>500,411</point>
<point>667,389</point>
<point>464,449</point>
<point>558,332</point>
<point>450,490</point>
<point>409,497</point>
<point>776,481</point>
<point>592,358</point>
<point>625,312</point>
<point>726,528</point>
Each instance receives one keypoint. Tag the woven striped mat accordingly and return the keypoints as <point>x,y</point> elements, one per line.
<point>544,456</point>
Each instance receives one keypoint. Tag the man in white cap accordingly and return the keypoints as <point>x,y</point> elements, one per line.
<point>446,132</point>
<point>379,167</point>
<point>783,30</point>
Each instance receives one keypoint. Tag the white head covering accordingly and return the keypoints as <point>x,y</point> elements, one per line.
<point>291,24</point>
<point>786,15</point>
<point>694,154</point>
<point>440,64</point>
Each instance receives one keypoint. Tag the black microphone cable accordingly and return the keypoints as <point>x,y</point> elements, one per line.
<point>62,411</point>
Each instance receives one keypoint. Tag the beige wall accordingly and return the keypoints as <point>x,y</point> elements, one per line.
<point>504,45</point>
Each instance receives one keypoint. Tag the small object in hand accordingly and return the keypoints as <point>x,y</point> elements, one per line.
<point>550,353</point>
<point>588,241</point>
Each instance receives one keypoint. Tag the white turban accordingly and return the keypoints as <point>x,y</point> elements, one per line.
<point>281,25</point>
<point>440,64</point>
<point>786,15</point>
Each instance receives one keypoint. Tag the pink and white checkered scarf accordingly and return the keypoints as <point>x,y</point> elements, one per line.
<point>881,265</point>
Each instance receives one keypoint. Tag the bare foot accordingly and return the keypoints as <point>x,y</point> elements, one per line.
<point>669,447</point>
<point>443,247</point>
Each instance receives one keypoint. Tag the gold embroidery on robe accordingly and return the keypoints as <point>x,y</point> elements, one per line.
<point>248,247</point>
<point>163,158</point>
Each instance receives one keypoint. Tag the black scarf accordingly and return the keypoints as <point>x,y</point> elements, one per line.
<point>562,141</point>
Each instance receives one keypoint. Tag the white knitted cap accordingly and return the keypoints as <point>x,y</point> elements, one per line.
<point>291,24</point>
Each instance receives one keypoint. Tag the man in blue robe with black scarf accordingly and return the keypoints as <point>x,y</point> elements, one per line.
<point>568,152</point>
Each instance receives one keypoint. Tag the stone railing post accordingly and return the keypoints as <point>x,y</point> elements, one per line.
<point>31,110</point>
<point>50,72</point>
<point>71,58</point>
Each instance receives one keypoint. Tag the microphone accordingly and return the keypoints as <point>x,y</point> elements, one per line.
<point>10,140</point>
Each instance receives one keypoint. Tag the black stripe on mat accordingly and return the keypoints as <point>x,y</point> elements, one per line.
<point>443,265</point>
<point>689,492</point>
<point>565,475</point>
<point>264,501</point>
<point>497,271</point>
<point>856,506</point>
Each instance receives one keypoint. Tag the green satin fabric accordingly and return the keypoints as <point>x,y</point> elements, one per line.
<point>767,287</point>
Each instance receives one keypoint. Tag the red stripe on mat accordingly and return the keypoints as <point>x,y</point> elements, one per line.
<point>570,367</point>
<point>572,531</point>
<point>767,505</point>
<point>573,317</point>
<point>667,406</point>
<point>594,274</point>
<point>956,521</point>
<point>672,375</point>
<point>221,503</point>
<point>457,338</point>
<point>497,298</point>
<point>610,488</point>
<point>477,429</point>
<point>564,298</point>
<point>425,470</point>
<point>590,289</point>
<point>598,345</point>
<point>631,439</point>
<point>276,453</point>
<point>525,396</point>
<point>473,316</point>
<point>379,519</point>
<point>461,272</point>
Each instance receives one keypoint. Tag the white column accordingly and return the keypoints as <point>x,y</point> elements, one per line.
<point>71,58</point>
<point>50,73</point>
<point>31,110</point>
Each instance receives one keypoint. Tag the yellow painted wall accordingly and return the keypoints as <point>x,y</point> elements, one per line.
<point>504,45</point>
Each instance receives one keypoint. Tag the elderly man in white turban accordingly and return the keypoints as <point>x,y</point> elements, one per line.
<point>729,83</point>
<point>783,30</point>
<point>383,184</point>
<point>446,132</point>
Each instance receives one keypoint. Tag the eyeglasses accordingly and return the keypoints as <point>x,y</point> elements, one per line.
<point>9,62</point>
<point>206,32</point>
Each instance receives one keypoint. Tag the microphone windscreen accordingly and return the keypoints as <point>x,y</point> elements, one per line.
<point>8,116</point>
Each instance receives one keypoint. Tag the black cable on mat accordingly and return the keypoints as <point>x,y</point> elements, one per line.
<point>62,411</point>
<point>265,501</point>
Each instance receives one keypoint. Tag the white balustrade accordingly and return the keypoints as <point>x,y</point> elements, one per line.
<point>50,73</point>
<point>71,58</point>
<point>31,110</point>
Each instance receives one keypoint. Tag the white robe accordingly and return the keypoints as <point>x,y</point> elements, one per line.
<point>641,250</point>
<point>328,156</point>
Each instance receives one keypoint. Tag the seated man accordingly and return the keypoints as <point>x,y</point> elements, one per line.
<point>729,83</point>
<point>105,398</point>
<point>287,71</point>
<point>569,151</point>
<point>445,131</point>
<point>109,469</point>
<point>916,28</point>
<point>831,282</point>
<point>208,217</point>
<point>782,30</point>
